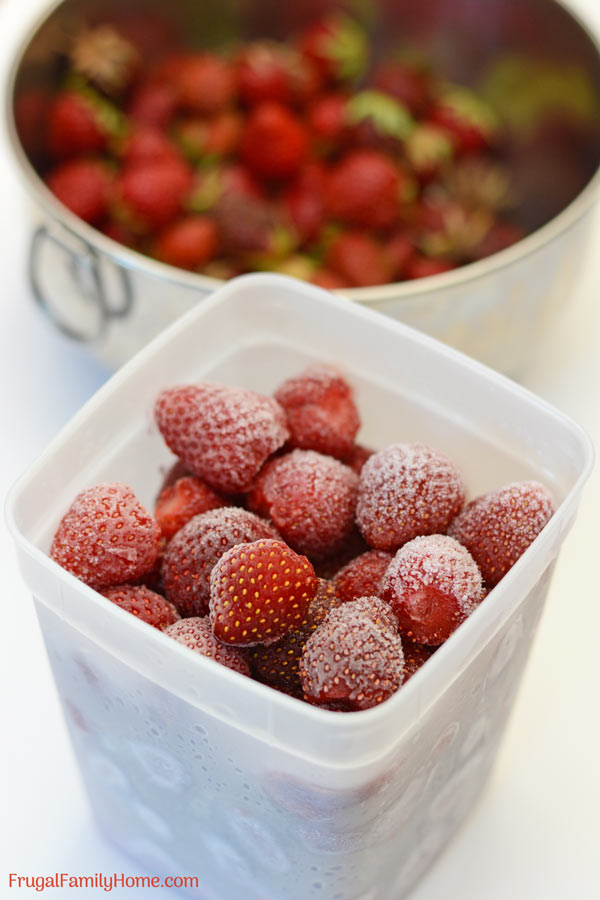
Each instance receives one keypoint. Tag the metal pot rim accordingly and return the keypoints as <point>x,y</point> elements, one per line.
<point>397,291</point>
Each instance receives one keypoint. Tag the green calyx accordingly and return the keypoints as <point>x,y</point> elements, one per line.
<point>470,108</point>
<point>112,121</point>
<point>348,48</point>
<point>389,117</point>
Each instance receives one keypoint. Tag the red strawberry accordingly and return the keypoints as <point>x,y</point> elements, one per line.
<point>189,242</point>
<point>424,266</point>
<point>354,659</point>
<point>407,490</point>
<point>359,259</point>
<point>147,605</point>
<point>320,410</point>
<point>273,72</point>
<point>259,592</point>
<point>153,103</point>
<point>263,73</point>
<point>217,136</point>
<point>466,118</point>
<point>432,585</point>
<point>224,434</point>
<point>119,232</point>
<point>275,142</point>
<point>146,143</point>
<point>400,252</point>
<point>362,576</point>
<point>277,664</point>
<point>252,229</point>
<point>83,186</point>
<point>198,546</point>
<point>206,83</point>
<point>329,280</point>
<point>408,83</point>
<point>499,526</point>
<point>311,498</point>
<point>337,46</point>
<point>500,236</point>
<point>303,201</point>
<point>196,634</point>
<point>327,117</point>
<point>151,194</point>
<point>74,126</point>
<point>365,189</point>
<point>106,538</point>
<point>181,501</point>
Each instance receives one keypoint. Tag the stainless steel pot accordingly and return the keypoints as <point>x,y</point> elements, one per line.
<point>115,299</point>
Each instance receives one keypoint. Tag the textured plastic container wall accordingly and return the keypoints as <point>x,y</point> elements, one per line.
<point>185,793</point>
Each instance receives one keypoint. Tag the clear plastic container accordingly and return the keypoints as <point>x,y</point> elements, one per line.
<point>194,769</point>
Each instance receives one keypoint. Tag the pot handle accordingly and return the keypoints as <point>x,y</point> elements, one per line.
<point>87,279</point>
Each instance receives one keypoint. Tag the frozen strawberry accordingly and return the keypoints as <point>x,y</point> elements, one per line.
<point>432,584</point>
<point>498,527</point>
<point>74,126</point>
<point>338,46</point>
<point>274,142</point>
<point>278,663</point>
<point>152,194</point>
<point>359,259</point>
<point>407,490</point>
<point>147,605</point>
<point>176,471</point>
<point>203,138</point>
<point>198,546</point>
<point>147,144</point>
<point>353,546</point>
<point>196,634</point>
<point>106,538</point>
<point>415,655</point>
<point>153,103</point>
<point>189,242</point>
<point>181,501</point>
<point>321,411</point>
<point>424,266</point>
<point>408,83</point>
<point>223,434</point>
<point>83,186</point>
<point>206,84</point>
<point>377,611</point>
<point>311,499</point>
<point>260,591</point>
<point>466,118</point>
<point>352,659</point>
<point>365,189</point>
<point>362,576</point>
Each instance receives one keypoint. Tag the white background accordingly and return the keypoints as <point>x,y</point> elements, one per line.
<point>536,830</point>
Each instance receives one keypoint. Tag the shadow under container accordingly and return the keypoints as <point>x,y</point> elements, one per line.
<point>192,768</point>
<point>533,60</point>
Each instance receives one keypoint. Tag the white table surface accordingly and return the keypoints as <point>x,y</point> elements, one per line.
<point>536,830</point>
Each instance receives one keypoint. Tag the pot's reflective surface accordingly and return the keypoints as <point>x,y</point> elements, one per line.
<point>531,58</point>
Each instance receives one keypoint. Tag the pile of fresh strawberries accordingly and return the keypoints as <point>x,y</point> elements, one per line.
<point>305,157</point>
<point>285,550</point>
